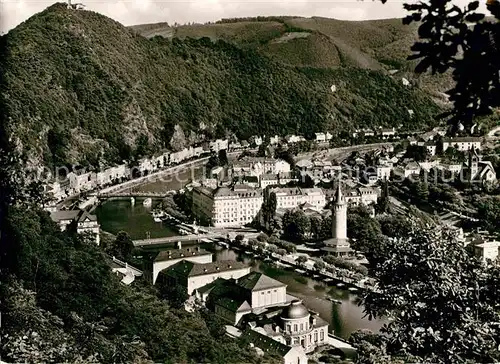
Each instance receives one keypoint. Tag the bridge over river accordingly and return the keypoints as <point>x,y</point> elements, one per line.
<point>191,237</point>
<point>135,194</point>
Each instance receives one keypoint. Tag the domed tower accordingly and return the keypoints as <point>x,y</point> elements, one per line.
<point>296,324</point>
<point>338,244</point>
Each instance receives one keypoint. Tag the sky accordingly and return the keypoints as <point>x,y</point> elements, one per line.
<point>130,12</point>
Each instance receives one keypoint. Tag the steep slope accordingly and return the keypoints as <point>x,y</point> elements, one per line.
<point>319,42</point>
<point>81,88</point>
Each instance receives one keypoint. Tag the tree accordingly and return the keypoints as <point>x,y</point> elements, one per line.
<point>489,210</point>
<point>364,229</point>
<point>459,40</point>
<point>142,146</point>
<point>296,225</point>
<point>441,300</point>
<point>315,222</point>
<point>417,153</point>
<point>213,162</point>
<point>262,238</point>
<point>223,158</point>
<point>122,247</point>
<point>319,265</point>
<point>175,294</point>
<point>302,260</point>
<point>262,151</point>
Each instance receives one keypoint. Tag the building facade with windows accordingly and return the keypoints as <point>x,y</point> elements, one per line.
<point>225,207</point>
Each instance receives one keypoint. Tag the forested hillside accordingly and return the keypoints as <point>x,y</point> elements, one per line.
<point>79,87</point>
<point>60,303</point>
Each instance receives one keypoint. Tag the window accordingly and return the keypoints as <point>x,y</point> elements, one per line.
<point>301,327</point>
<point>315,336</point>
<point>322,335</point>
<point>295,328</point>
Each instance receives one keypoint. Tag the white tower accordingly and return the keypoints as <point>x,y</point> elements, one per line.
<point>339,218</point>
<point>339,243</point>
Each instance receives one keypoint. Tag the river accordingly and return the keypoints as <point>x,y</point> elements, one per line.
<point>118,215</point>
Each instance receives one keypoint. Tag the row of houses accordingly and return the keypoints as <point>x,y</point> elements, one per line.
<point>77,180</point>
<point>462,144</point>
<point>384,133</point>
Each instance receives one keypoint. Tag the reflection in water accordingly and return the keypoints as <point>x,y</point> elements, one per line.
<point>343,319</point>
<point>120,215</point>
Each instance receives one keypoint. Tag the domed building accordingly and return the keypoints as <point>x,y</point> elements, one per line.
<point>299,327</point>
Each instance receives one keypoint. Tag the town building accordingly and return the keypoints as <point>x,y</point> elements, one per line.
<point>361,196</point>
<point>462,144</point>
<point>274,140</point>
<point>125,271</point>
<point>84,222</point>
<point>290,198</point>
<point>219,144</point>
<point>167,258</point>
<point>225,207</point>
<point>388,133</point>
<point>291,139</point>
<point>409,169</point>
<point>267,315</point>
<point>486,250</point>
<point>383,171</point>
<point>268,179</point>
<point>451,167</point>
<point>339,243</point>
<point>431,148</point>
<point>196,275</point>
<point>290,354</point>
<point>257,166</point>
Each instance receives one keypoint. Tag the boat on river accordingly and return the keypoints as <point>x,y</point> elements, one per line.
<point>339,302</point>
<point>352,289</point>
<point>300,271</point>
<point>327,280</point>
<point>340,284</point>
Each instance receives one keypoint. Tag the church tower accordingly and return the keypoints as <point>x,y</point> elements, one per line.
<point>473,164</point>
<point>339,243</point>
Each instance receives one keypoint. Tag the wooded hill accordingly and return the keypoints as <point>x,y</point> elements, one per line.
<point>79,87</point>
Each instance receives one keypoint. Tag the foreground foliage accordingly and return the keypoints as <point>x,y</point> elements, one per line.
<point>62,304</point>
<point>442,303</point>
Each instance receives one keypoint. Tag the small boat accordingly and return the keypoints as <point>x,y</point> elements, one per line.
<point>328,280</point>
<point>147,202</point>
<point>352,289</point>
<point>340,284</point>
<point>248,252</point>
<point>300,271</point>
<point>339,302</point>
